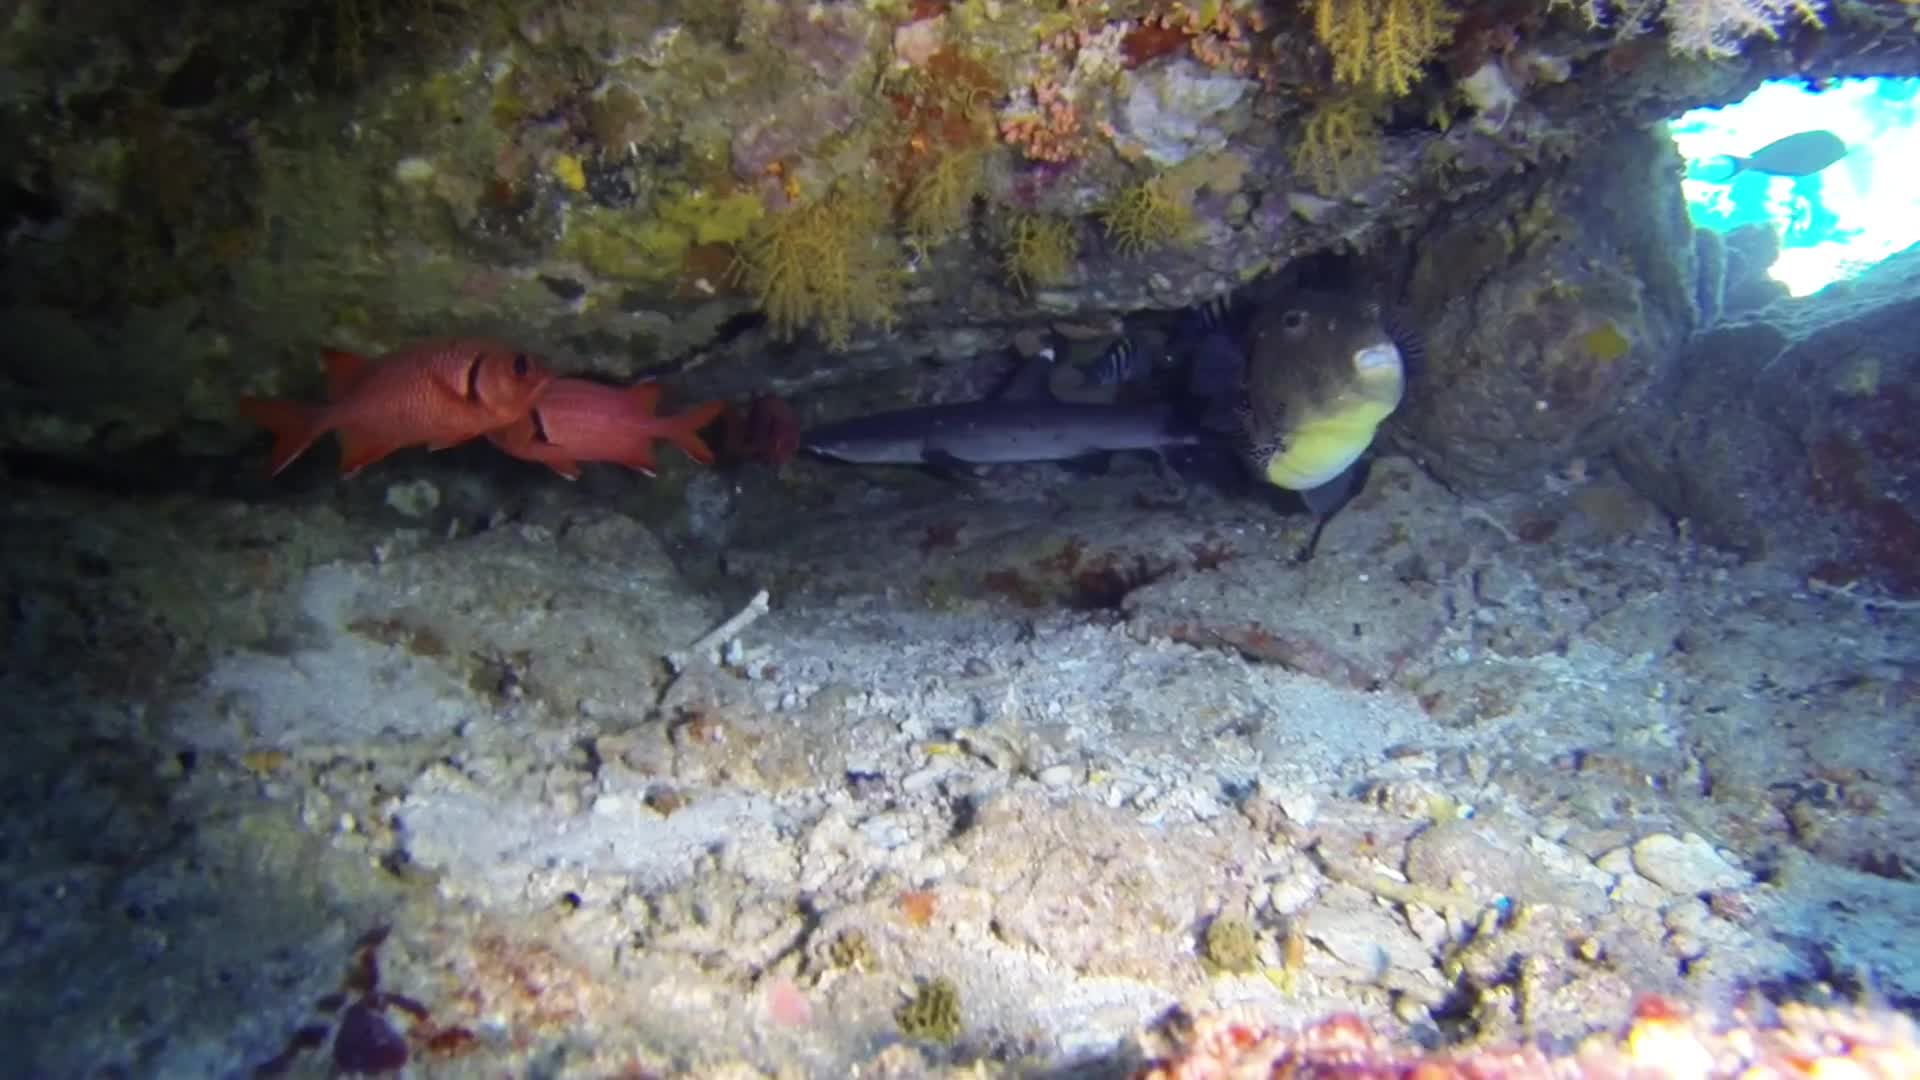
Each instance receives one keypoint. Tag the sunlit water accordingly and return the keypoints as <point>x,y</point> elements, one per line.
<point>1836,222</point>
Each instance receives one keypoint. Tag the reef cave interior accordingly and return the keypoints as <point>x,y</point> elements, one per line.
<point>961,537</point>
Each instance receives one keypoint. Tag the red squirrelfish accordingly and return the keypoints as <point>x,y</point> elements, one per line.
<point>436,393</point>
<point>576,421</point>
<point>766,431</point>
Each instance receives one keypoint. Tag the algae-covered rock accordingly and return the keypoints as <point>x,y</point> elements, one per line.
<point>1548,312</point>
<point>933,1014</point>
<point>1750,252</point>
<point>1791,433</point>
<point>1229,947</point>
<point>597,181</point>
<point>1710,275</point>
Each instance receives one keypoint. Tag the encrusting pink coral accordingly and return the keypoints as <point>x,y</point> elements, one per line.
<point>1663,1041</point>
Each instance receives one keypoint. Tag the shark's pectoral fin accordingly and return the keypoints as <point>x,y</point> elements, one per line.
<point>944,461</point>
<point>1098,464</point>
<point>953,470</point>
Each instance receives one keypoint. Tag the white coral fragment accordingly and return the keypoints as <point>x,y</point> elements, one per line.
<point>1174,112</point>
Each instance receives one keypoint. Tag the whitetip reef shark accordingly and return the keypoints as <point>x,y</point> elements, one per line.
<point>998,431</point>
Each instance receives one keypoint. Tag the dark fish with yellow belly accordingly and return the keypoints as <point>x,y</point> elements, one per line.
<point>1320,373</point>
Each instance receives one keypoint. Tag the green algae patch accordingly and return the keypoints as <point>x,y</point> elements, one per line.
<point>712,219</point>
<point>618,245</point>
<point>1606,343</point>
<point>624,246</point>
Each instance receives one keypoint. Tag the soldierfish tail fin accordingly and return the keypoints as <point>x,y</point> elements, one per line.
<point>683,430</point>
<point>294,427</point>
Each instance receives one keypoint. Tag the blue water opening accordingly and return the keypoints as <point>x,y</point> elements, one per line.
<point>1832,223</point>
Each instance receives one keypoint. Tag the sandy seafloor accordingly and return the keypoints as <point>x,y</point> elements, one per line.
<point>1481,770</point>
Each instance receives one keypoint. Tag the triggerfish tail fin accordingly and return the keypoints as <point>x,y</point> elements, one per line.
<point>1327,500</point>
<point>683,430</point>
<point>344,371</point>
<point>292,424</point>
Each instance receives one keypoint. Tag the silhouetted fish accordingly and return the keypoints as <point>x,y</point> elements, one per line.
<point>1802,154</point>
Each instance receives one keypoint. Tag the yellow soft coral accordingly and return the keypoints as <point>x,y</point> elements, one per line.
<point>1339,146</point>
<point>1381,44</point>
<point>828,264</point>
<point>1038,249</point>
<point>1147,215</point>
<point>938,202</point>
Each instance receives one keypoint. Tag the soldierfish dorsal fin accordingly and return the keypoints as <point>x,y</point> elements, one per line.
<point>345,370</point>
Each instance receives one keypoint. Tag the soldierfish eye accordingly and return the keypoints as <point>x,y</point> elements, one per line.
<point>520,365</point>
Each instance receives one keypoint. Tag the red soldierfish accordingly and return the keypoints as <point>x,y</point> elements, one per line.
<point>436,393</point>
<point>766,431</point>
<point>576,420</point>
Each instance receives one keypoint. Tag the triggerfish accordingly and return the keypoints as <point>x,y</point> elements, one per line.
<point>1322,372</point>
<point>436,393</point>
<point>576,420</point>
